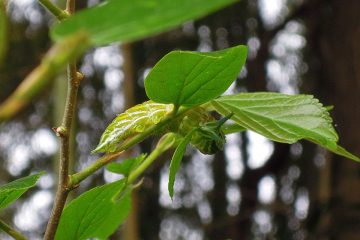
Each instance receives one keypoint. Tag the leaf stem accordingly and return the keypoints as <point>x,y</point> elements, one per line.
<point>175,110</point>
<point>11,231</point>
<point>63,132</point>
<point>76,178</point>
<point>55,10</point>
<point>164,144</point>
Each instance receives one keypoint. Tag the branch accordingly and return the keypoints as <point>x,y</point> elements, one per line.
<point>63,132</point>
<point>76,178</point>
<point>55,10</point>
<point>11,231</point>
<point>54,61</point>
<point>164,144</point>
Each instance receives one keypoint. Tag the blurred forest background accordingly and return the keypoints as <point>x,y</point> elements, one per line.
<point>255,189</point>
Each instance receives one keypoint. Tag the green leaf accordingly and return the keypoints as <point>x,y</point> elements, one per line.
<point>125,166</point>
<point>13,190</point>
<point>120,20</point>
<point>95,214</point>
<point>283,118</point>
<point>232,128</point>
<point>209,137</point>
<point>176,161</point>
<point>192,78</point>
<point>132,121</point>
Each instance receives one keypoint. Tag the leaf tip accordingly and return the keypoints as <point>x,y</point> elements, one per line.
<point>101,148</point>
<point>171,191</point>
<point>98,149</point>
<point>39,174</point>
<point>343,152</point>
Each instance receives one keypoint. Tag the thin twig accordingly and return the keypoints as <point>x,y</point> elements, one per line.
<point>70,6</point>
<point>55,10</point>
<point>164,144</point>
<point>76,178</point>
<point>63,132</point>
<point>11,231</point>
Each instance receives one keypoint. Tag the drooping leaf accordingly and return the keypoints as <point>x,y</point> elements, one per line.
<point>95,214</point>
<point>338,150</point>
<point>13,190</point>
<point>283,118</point>
<point>176,161</point>
<point>126,166</point>
<point>125,21</point>
<point>132,121</point>
<point>192,78</point>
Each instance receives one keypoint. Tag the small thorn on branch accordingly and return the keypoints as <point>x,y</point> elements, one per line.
<point>80,76</point>
<point>60,131</point>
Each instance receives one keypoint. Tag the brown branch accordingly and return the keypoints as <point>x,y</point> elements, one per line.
<point>63,132</point>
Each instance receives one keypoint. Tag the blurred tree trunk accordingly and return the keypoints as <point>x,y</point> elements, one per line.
<point>218,197</point>
<point>131,228</point>
<point>340,58</point>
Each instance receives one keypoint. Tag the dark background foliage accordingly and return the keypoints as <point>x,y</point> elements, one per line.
<point>255,189</point>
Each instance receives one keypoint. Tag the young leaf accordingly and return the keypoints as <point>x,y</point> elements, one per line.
<point>132,121</point>
<point>126,166</point>
<point>283,118</point>
<point>13,190</point>
<point>192,78</point>
<point>209,138</point>
<point>176,161</point>
<point>94,214</point>
<point>124,21</point>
